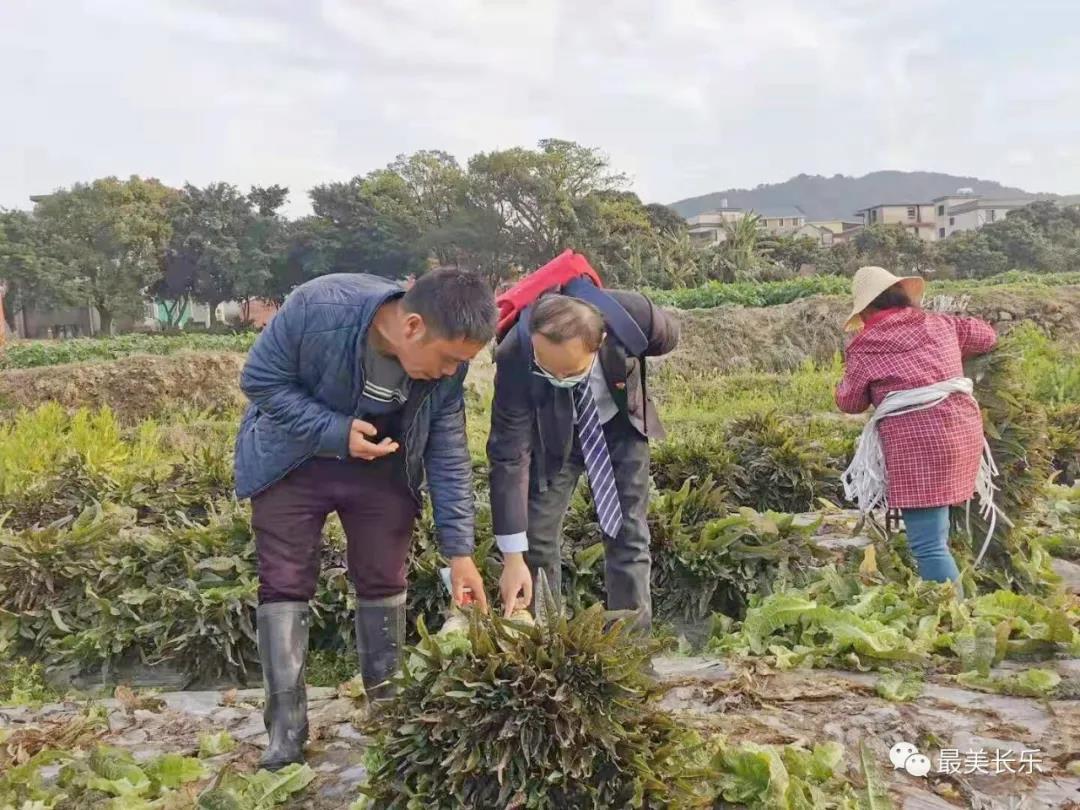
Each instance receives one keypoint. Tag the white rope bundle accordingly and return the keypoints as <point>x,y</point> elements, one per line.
<point>865,480</point>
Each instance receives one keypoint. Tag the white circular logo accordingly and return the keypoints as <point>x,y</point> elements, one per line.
<point>900,753</point>
<point>917,765</point>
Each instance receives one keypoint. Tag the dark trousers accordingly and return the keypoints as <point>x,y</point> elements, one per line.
<point>376,510</point>
<point>627,559</point>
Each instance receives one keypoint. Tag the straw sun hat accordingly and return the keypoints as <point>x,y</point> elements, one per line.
<point>870,282</point>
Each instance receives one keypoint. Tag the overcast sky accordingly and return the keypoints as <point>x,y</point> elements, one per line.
<point>687,96</point>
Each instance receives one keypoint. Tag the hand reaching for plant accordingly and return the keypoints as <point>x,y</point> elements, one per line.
<point>515,585</point>
<point>465,577</point>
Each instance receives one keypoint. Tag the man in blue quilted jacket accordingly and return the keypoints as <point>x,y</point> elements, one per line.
<point>356,400</point>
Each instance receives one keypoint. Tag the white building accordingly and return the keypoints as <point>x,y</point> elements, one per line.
<point>782,221</point>
<point>708,228</point>
<point>819,233</point>
<point>916,217</point>
<point>965,211</point>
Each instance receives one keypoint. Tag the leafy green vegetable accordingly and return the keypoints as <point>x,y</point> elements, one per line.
<point>900,687</point>
<point>258,791</point>
<point>876,796</point>
<point>772,293</point>
<point>266,789</point>
<point>1036,683</point>
<point>787,778</point>
<point>212,744</point>
<point>754,774</point>
<point>170,771</point>
<point>844,622</point>
<point>30,354</point>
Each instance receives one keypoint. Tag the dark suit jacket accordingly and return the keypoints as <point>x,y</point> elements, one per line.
<point>532,422</point>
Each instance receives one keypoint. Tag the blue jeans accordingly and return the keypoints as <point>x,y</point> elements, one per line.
<point>928,539</point>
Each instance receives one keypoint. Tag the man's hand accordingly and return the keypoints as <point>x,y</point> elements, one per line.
<point>360,447</point>
<point>515,585</point>
<point>464,576</point>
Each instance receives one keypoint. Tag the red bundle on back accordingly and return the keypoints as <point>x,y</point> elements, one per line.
<point>561,270</point>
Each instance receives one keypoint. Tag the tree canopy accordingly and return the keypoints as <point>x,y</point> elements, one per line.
<point>113,243</point>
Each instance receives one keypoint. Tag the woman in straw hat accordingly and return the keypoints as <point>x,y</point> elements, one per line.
<point>929,434</point>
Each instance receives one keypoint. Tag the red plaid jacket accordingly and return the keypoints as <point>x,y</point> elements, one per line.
<point>931,456</point>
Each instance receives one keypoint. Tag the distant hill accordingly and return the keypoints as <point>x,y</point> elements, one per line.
<point>840,196</point>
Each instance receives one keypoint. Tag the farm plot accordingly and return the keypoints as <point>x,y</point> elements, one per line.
<point>792,651</point>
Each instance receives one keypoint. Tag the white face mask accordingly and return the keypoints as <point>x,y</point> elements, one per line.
<point>563,382</point>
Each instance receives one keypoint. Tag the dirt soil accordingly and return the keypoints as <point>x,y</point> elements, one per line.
<point>134,387</point>
<point>719,340</point>
<point>800,707</point>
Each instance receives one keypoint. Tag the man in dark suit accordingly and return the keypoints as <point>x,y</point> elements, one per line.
<point>578,406</point>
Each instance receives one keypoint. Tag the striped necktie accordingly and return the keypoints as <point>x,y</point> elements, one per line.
<point>597,460</point>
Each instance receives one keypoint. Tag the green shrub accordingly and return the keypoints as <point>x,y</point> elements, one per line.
<point>765,461</point>
<point>1064,432</point>
<point>511,715</point>
<point>699,458</point>
<point>22,683</point>
<point>54,465</point>
<point>33,353</point>
<point>103,590</point>
<point>1049,369</point>
<point>777,469</point>
<point>725,562</point>
<point>771,293</point>
<point>750,294</point>
<point>1016,428</point>
<point>1059,522</point>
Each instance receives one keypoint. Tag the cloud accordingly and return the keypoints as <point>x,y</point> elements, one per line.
<point>202,23</point>
<point>687,96</point>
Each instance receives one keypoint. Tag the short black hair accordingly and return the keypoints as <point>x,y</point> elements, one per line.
<point>895,297</point>
<point>455,304</point>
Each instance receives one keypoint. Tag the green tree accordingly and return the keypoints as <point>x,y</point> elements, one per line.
<point>537,194</point>
<point>214,245</point>
<point>31,278</point>
<point>1022,243</point>
<point>664,219</point>
<point>839,260</point>
<point>970,255</point>
<point>894,248</point>
<point>680,262</point>
<point>479,240</point>
<point>615,233</point>
<point>437,186</point>
<point>1059,226</point>
<point>107,237</point>
<point>306,249</point>
<point>737,257</point>
<point>268,199</point>
<point>369,225</point>
<point>791,252</point>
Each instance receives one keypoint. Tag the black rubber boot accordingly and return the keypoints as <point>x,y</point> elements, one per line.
<point>283,643</point>
<point>380,635</point>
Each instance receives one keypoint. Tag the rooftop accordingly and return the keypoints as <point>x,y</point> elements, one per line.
<point>780,211</point>
<point>891,205</point>
<point>983,202</point>
<point>956,196</point>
